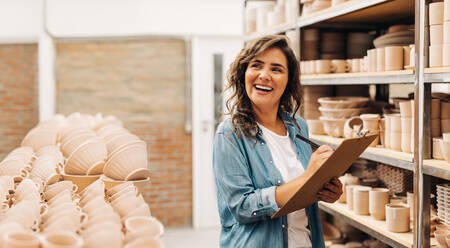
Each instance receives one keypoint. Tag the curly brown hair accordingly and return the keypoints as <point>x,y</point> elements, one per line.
<point>239,105</point>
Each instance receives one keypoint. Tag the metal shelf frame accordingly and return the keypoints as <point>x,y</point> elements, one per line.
<point>421,166</point>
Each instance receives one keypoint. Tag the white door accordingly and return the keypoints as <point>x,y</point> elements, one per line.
<point>211,58</point>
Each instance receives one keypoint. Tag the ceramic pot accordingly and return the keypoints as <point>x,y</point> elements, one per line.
<point>339,66</point>
<point>372,57</point>
<point>395,141</point>
<point>436,13</point>
<point>323,66</point>
<point>378,198</point>
<point>445,150</point>
<point>406,124</point>
<point>380,59</point>
<point>405,109</point>
<point>333,127</point>
<point>446,32</point>
<point>397,217</point>
<point>393,58</point>
<point>347,179</point>
<point>445,125</point>
<point>370,121</point>
<point>435,128</point>
<point>315,127</point>
<point>61,239</point>
<point>410,203</point>
<point>361,200</point>
<point>349,125</point>
<point>435,108</point>
<point>436,35</point>
<point>445,110</point>
<point>355,65</point>
<point>445,54</point>
<point>406,142</point>
<point>437,153</point>
<point>406,58</point>
<point>349,191</point>
<point>395,122</point>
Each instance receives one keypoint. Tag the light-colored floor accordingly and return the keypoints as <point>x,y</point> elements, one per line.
<point>190,238</point>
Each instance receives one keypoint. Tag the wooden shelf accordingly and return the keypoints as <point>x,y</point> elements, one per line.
<point>375,228</point>
<point>437,75</point>
<point>437,168</point>
<point>382,155</point>
<point>362,11</point>
<point>403,76</point>
<point>281,28</point>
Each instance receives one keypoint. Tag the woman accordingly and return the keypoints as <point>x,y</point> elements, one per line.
<point>258,164</point>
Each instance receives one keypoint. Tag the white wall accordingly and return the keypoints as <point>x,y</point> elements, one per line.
<point>19,21</point>
<point>88,18</point>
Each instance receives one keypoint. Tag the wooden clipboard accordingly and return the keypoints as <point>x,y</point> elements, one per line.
<point>344,155</point>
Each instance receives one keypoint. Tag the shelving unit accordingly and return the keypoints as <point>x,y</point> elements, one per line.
<point>375,228</point>
<point>357,14</point>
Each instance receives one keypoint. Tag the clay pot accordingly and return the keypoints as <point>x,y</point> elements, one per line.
<point>339,66</point>
<point>405,109</point>
<point>410,203</point>
<point>397,217</point>
<point>436,34</point>
<point>333,127</point>
<point>61,239</point>
<point>370,121</point>
<point>445,110</point>
<point>20,240</point>
<point>395,122</point>
<point>110,183</point>
<point>437,153</point>
<point>435,53</point>
<point>378,198</point>
<point>372,58</point>
<point>361,200</point>
<point>395,141</point>
<point>347,179</point>
<point>445,150</point>
<point>315,127</point>
<point>350,124</point>
<point>80,180</point>
<point>349,190</point>
<point>323,66</point>
<point>393,58</point>
<point>445,125</point>
<point>343,102</point>
<point>436,13</point>
<point>406,51</point>
<point>406,142</point>
<point>380,59</point>
<point>435,128</point>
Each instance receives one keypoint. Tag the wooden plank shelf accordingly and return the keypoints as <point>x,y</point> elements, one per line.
<point>403,76</point>
<point>382,155</point>
<point>362,11</point>
<point>375,228</point>
<point>437,168</point>
<point>437,75</point>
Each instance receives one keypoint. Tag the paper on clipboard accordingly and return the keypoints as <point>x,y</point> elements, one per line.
<point>344,155</point>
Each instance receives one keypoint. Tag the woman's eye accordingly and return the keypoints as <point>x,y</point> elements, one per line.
<point>256,66</point>
<point>277,69</point>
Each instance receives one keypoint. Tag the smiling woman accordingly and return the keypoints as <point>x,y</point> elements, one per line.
<point>257,162</point>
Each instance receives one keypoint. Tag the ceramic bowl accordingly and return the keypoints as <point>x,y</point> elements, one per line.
<point>343,102</point>
<point>91,153</point>
<point>127,160</point>
<point>82,181</point>
<point>333,127</point>
<point>111,183</point>
<point>315,127</point>
<point>341,113</point>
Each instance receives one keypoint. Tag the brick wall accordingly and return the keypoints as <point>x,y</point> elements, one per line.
<point>19,110</point>
<point>143,83</point>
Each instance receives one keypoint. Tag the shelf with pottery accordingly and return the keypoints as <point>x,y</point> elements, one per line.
<point>376,228</point>
<point>278,29</point>
<point>437,75</point>
<point>361,11</point>
<point>382,155</point>
<point>437,168</point>
<point>402,76</point>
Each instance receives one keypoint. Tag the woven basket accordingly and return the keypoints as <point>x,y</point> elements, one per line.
<point>397,180</point>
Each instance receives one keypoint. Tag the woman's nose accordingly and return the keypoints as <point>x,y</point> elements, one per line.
<point>264,75</point>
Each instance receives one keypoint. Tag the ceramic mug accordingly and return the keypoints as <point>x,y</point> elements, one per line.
<point>436,13</point>
<point>323,66</point>
<point>378,198</point>
<point>361,200</point>
<point>339,66</point>
<point>380,59</point>
<point>397,217</point>
<point>393,58</point>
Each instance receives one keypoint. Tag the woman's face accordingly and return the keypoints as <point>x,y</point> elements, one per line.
<point>266,78</point>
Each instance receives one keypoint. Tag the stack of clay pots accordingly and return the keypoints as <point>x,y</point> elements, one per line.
<point>443,208</point>
<point>393,132</point>
<point>310,45</point>
<point>371,126</point>
<point>336,110</point>
<point>444,145</point>
<point>267,15</point>
<point>332,45</point>
<point>436,21</point>
<point>407,125</point>
<point>357,45</point>
<point>440,125</point>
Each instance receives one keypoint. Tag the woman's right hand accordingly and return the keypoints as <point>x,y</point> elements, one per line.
<point>318,158</point>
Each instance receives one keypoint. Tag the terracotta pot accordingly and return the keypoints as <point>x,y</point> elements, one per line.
<point>397,217</point>
<point>380,59</point>
<point>435,128</point>
<point>445,110</point>
<point>437,152</point>
<point>393,58</point>
<point>378,198</point>
<point>361,200</point>
<point>395,141</point>
<point>436,13</point>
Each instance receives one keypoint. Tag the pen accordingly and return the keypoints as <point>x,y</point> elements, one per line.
<point>312,144</point>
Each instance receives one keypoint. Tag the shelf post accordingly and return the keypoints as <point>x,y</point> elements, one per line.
<point>421,136</point>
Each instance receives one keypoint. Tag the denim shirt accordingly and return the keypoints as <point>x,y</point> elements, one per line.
<point>246,179</point>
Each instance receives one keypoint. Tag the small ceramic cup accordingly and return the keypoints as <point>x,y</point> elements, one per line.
<point>378,198</point>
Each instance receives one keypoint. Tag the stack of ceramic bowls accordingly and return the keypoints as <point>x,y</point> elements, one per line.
<point>436,21</point>
<point>358,44</point>
<point>103,226</point>
<point>336,110</point>
<point>40,136</point>
<point>443,202</point>
<point>47,168</point>
<point>18,163</point>
<point>127,156</point>
<point>393,132</point>
<point>143,230</point>
<point>127,202</point>
<point>332,45</point>
<point>310,44</point>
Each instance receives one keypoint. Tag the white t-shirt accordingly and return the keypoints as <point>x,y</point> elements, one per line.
<point>285,159</point>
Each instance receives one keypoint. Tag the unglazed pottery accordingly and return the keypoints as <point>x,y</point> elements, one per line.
<point>397,217</point>
<point>378,198</point>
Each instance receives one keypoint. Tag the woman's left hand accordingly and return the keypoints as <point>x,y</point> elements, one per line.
<point>331,191</point>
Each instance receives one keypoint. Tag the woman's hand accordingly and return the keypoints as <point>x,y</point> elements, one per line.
<point>331,191</point>
<point>318,158</point>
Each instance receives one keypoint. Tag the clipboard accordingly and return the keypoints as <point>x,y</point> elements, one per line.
<point>344,155</point>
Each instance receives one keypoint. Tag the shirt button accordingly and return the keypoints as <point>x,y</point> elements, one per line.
<point>279,181</point>
<point>283,226</point>
<point>262,143</point>
<point>254,214</point>
<point>270,161</point>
